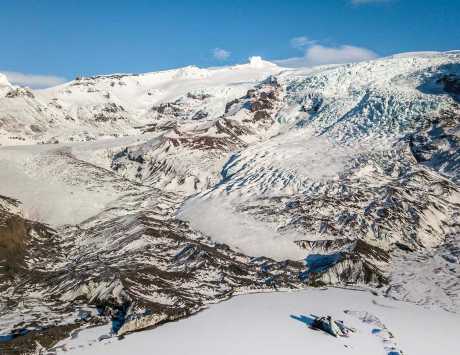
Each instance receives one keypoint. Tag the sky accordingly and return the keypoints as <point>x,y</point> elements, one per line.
<point>46,42</point>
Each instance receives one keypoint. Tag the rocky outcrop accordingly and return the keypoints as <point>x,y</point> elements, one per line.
<point>451,83</point>
<point>134,265</point>
<point>110,112</point>
<point>437,144</point>
<point>18,92</point>
<point>346,262</point>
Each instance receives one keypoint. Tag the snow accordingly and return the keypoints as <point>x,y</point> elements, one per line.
<point>326,118</point>
<point>100,152</point>
<point>165,86</point>
<point>417,54</point>
<point>275,323</point>
<point>429,279</point>
<point>68,111</point>
<point>218,219</point>
<point>296,160</point>
<point>45,198</point>
<point>57,188</point>
<point>295,157</point>
<point>363,109</point>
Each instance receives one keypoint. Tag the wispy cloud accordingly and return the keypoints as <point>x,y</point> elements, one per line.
<point>318,54</point>
<point>32,80</point>
<point>221,54</point>
<point>300,42</point>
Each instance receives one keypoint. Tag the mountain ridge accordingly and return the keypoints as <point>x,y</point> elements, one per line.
<point>161,193</point>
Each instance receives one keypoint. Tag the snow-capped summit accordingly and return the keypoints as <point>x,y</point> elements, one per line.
<point>191,72</point>
<point>258,62</point>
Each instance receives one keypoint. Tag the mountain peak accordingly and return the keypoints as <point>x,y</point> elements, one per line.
<point>257,62</point>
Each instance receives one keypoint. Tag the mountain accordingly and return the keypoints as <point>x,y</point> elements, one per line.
<point>141,198</point>
<point>116,105</point>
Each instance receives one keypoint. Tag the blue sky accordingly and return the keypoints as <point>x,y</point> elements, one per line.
<point>45,41</point>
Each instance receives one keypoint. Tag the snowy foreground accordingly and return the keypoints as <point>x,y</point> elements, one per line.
<point>277,323</point>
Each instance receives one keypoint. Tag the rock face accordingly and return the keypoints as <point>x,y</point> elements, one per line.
<point>22,241</point>
<point>20,92</point>
<point>14,234</point>
<point>437,144</point>
<point>224,181</point>
<point>451,84</point>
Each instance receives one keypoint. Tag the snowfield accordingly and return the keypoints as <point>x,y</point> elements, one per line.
<point>242,232</point>
<point>276,323</point>
<point>65,183</point>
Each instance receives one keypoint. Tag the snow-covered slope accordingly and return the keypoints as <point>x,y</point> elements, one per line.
<point>168,191</point>
<point>279,323</point>
<point>121,104</point>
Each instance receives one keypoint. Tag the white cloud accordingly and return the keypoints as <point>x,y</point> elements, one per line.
<point>301,42</point>
<point>318,54</point>
<point>221,54</point>
<point>32,80</point>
